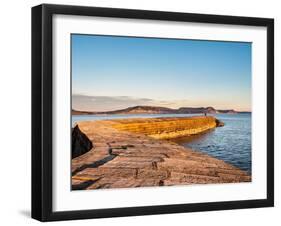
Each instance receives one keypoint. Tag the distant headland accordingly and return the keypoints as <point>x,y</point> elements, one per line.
<point>160,110</point>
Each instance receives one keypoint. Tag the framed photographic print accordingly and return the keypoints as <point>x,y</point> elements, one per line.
<point>145,112</point>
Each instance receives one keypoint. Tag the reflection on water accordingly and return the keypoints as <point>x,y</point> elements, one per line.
<point>231,143</point>
<point>194,138</point>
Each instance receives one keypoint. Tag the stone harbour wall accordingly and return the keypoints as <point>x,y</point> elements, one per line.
<point>166,128</point>
<point>124,159</point>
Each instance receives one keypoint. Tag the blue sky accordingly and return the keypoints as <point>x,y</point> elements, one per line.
<point>110,72</point>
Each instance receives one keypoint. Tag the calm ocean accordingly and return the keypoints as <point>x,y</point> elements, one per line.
<point>231,143</point>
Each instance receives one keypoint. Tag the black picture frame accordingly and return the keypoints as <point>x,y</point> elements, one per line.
<point>42,197</point>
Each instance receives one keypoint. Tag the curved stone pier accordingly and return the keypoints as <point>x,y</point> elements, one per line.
<point>122,158</point>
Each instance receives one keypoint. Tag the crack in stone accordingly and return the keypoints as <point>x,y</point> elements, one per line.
<point>161,183</point>
<point>154,165</point>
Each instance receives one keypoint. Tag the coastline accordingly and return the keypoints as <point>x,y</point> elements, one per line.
<point>126,153</point>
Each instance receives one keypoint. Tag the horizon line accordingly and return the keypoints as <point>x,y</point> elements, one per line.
<point>227,109</point>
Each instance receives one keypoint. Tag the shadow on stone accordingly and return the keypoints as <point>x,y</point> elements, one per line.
<point>94,164</point>
<point>84,185</point>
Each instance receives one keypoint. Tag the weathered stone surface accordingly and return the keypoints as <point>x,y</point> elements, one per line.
<point>166,128</point>
<point>122,159</point>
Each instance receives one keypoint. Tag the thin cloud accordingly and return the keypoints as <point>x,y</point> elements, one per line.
<point>110,103</point>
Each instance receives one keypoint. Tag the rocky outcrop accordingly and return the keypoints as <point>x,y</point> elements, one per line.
<point>219,123</point>
<point>80,142</point>
<point>123,159</point>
